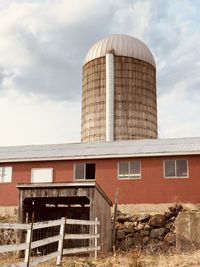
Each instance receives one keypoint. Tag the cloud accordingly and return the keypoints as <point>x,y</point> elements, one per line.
<point>178,115</point>
<point>36,120</point>
<point>50,46</point>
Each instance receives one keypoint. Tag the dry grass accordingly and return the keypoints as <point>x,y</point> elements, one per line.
<point>8,218</point>
<point>8,258</point>
<point>133,259</point>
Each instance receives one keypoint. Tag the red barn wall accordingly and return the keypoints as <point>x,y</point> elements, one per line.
<point>151,188</point>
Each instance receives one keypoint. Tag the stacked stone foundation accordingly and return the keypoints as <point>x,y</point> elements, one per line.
<point>155,233</point>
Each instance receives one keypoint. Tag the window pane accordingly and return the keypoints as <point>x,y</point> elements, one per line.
<point>5,174</point>
<point>181,168</point>
<point>123,170</point>
<point>79,171</point>
<point>134,169</point>
<point>170,168</point>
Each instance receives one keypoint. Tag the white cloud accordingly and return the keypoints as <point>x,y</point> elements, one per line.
<point>132,17</point>
<point>36,120</point>
<point>178,115</point>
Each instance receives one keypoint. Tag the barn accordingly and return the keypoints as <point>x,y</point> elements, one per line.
<point>119,151</point>
<point>148,174</point>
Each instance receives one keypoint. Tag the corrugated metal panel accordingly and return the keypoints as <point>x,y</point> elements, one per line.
<point>135,148</point>
<point>123,45</point>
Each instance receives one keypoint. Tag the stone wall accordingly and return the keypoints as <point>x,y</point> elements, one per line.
<point>152,232</point>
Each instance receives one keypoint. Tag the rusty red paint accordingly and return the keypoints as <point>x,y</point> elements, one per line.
<point>151,188</point>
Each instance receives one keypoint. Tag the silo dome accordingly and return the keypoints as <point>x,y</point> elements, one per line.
<point>122,45</point>
<point>119,91</point>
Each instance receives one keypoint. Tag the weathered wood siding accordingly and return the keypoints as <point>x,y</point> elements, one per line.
<point>103,214</point>
<point>99,206</point>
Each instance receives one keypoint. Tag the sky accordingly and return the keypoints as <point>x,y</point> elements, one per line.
<point>42,48</point>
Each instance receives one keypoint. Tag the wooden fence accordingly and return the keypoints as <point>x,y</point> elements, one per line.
<point>30,244</point>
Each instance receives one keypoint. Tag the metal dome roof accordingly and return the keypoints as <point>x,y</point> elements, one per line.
<point>123,45</point>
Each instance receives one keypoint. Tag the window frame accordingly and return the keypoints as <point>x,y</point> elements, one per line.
<point>35,168</point>
<point>129,164</point>
<point>10,180</point>
<point>84,179</point>
<point>175,177</point>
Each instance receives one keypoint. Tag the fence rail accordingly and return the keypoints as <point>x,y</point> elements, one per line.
<point>60,238</point>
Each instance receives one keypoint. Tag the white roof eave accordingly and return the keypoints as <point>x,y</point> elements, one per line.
<point>100,156</point>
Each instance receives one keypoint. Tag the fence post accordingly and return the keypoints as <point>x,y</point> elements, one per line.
<point>114,219</point>
<point>96,239</point>
<point>60,242</point>
<point>28,241</point>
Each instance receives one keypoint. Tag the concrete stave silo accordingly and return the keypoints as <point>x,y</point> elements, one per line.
<point>119,91</point>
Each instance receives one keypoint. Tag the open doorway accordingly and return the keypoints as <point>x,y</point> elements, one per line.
<point>39,209</point>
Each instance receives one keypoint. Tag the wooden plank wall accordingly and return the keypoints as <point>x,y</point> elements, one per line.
<point>99,208</point>
<point>103,214</point>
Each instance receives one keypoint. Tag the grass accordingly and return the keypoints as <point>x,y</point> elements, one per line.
<point>134,258</point>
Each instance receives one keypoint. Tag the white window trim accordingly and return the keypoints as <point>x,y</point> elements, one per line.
<point>52,174</point>
<point>128,178</point>
<point>175,177</point>
<point>7,182</point>
<point>84,179</point>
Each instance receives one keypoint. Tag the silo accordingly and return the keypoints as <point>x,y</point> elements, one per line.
<point>119,91</point>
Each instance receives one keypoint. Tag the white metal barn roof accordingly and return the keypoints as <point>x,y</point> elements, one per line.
<point>115,149</point>
<point>123,45</point>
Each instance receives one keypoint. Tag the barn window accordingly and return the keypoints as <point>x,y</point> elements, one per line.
<point>129,170</point>
<point>176,168</point>
<point>5,174</point>
<point>84,171</point>
<point>41,175</point>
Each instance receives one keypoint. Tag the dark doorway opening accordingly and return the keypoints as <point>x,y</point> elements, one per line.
<point>52,208</point>
<point>39,209</point>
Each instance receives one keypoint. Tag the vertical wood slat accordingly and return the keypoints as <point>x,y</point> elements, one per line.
<point>103,213</point>
<point>28,250</point>
<point>115,217</point>
<point>96,239</point>
<point>60,243</point>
